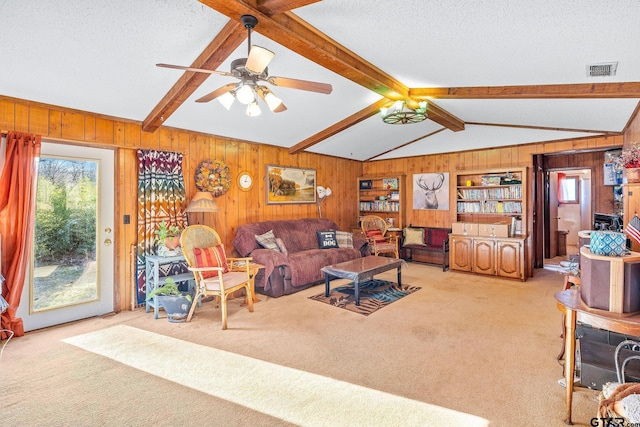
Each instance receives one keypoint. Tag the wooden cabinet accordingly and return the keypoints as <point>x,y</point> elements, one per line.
<point>631,201</point>
<point>460,255</point>
<point>484,259</point>
<point>383,196</point>
<point>495,256</point>
<point>509,258</point>
<point>492,196</point>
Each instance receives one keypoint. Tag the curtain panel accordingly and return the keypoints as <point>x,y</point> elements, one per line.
<point>17,218</point>
<point>161,197</point>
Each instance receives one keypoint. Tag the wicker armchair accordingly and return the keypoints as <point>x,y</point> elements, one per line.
<point>374,229</point>
<point>215,275</point>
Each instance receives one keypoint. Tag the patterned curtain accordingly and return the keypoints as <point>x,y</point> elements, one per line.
<point>161,197</point>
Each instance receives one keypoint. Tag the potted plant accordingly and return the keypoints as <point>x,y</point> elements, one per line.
<point>168,235</point>
<point>629,160</point>
<point>175,302</point>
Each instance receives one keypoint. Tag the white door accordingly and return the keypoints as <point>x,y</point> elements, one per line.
<point>71,275</point>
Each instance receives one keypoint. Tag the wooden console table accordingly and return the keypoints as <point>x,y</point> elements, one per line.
<point>570,303</point>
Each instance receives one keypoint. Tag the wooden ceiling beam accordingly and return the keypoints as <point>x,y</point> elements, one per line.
<point>578,90</point>
<point>273,7</point>
<point>297,35</point>
<point>224,44</point>
<point>343,124</point>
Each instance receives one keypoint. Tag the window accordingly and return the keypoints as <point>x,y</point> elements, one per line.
<point>568,189</point>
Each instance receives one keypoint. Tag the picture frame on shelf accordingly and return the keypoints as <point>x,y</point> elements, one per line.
<point>366,184</point>
<point>290,185</point>
<point>390,183</point>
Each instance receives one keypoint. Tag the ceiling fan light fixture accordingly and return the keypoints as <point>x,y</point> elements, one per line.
<point>259,58</point>
<point>245,94</point>
<point>226,99</point>
<point>272,101</point>
<point>253,109</point>
<point>400,114</point>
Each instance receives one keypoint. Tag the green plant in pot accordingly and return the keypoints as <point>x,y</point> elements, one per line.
<point>168,235</point>
<point>175,302</point>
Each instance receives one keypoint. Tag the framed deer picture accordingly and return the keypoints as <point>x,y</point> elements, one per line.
<point>431,191</point>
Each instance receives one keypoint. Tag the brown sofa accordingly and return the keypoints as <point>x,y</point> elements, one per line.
<point>299,267</point>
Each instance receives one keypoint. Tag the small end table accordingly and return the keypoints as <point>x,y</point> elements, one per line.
<point>254,268</point>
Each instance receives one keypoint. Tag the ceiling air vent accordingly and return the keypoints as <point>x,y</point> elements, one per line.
<point>605,69</point>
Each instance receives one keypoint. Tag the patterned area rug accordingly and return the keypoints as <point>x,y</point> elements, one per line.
<point>374,295</point>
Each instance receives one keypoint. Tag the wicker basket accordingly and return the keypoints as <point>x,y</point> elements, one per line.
<point>633,175</point>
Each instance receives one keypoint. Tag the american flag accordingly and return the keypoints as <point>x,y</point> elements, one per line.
<point>633,229</point>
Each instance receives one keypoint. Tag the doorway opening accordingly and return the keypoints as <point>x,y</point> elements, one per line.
<point>570,211</point>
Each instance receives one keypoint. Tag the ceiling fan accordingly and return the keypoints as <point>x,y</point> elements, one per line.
<point>251,71</point>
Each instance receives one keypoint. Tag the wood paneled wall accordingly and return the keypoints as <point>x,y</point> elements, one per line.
<point>58,124</point>
<point>511,156</point>
<point>602,195</point>
<point>632,132</point>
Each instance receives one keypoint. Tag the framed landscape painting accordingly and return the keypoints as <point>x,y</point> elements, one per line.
<point>290,185</point>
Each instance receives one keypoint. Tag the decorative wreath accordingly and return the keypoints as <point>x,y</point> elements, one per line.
<point>213,176</point>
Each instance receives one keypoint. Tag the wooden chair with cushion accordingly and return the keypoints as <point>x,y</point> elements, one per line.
<point>375,231</point>
<point>215,274</point>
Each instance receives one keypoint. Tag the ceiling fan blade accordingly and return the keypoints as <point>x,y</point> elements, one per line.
<point>258,59</point>
<point>301,84</point>
<point>216,93</point>
<point>197,70</point>
<point>269,98</point>
<point>280,108</point>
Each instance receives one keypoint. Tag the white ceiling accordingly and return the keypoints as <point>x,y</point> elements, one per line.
<point>100,57</point>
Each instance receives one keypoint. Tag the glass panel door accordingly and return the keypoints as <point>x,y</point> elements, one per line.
<point>71,274</point>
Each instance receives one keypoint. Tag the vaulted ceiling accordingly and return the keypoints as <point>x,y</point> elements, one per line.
<point>493,72</point>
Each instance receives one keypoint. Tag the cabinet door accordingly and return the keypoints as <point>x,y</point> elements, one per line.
<point>484,256</point>
<point>508,260</point>
<point>460,253</point>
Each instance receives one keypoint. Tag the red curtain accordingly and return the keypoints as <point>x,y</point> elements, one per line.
<point>17,205</point>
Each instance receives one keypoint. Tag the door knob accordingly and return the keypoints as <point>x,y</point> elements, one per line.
<point>107,242</point>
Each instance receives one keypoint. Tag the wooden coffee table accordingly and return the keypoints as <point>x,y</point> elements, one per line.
<point>360,270</point>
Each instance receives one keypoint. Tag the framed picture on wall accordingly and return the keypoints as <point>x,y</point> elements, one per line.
<point>290,185</point>
<point>431,191</point>
<point>611,175</point>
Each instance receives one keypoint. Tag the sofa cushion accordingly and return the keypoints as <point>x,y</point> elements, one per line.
<point>438,237</point>
<point>327,239</point>
<point>268,240</point>
<point>306,267</point>
<point>282,246</point>
<point>413,236</point>
<point>289,230</point>
<point>344,239</point>
<point>211,257</point>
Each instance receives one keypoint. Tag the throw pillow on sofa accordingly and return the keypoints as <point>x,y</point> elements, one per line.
<point>282,247</point>
<point>211,257</point>
<point>344,239</point>
<point>413,236</point>
<point>268,240</point>
<point>327,239</point>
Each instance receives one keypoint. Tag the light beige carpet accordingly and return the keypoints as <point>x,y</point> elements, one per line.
<point>303,398</point>
<point>470,344</point>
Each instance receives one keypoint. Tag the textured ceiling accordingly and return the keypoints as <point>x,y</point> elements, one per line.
<point>100,57</point>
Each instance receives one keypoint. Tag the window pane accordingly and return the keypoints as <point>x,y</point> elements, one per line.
<point>64,266</point>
